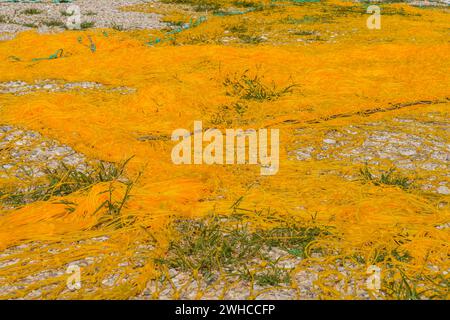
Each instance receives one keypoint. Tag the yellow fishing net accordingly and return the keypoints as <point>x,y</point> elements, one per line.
<point>347,86</point>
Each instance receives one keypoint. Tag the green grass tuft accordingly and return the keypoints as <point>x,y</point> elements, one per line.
<point>63,181</point>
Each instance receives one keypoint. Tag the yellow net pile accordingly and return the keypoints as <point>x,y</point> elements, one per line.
<point>110,199</point>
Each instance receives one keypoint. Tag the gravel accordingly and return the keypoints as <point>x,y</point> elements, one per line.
<point>27,154</point>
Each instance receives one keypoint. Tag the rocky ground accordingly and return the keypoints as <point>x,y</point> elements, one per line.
<point>47,16</point>
<point>404,143</point>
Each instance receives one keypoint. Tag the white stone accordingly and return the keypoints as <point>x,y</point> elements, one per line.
<point>443,190</point>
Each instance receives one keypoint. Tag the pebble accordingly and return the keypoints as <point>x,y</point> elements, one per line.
<point>443,190</point>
